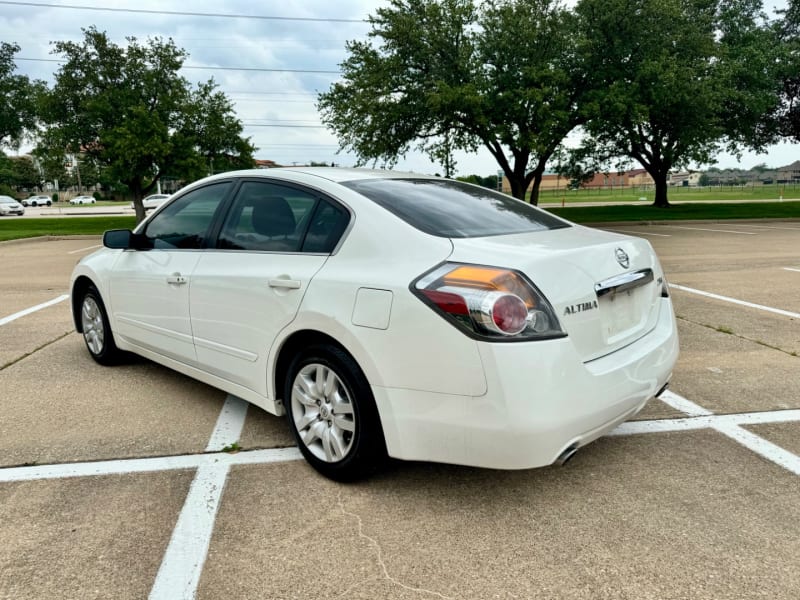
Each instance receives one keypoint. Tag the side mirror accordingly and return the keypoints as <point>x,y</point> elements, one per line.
<point>118,239</point>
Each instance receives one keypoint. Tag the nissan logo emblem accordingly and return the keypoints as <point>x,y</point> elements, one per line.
<point>622,258</point>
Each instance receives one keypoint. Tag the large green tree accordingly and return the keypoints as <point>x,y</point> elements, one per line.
<point>673,80</point>
<point>127,108</point>
<point>18,98</point>
<point>445,75</point>
<point>788,30</point>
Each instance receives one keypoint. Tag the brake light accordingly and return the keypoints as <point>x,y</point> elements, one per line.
<point>489,302</point>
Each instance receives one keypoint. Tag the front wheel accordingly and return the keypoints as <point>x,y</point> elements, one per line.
<point>96,329</point>
<point>332,414</point>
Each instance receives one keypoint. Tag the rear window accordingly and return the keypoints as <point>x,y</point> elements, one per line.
<point>453,209</point>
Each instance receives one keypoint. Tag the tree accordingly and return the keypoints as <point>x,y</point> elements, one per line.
<point>672,80</point>
<point>128,110</point>
<point>18,99</point>
<point>787,116</point>
<point>444,75</point>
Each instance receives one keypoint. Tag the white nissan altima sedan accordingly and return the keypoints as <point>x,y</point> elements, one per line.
<point>388,314</point>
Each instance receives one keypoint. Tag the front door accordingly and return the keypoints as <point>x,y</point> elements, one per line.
<point>150,287</point>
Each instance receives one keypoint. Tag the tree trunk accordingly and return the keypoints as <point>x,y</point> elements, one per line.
<point>517,184</point>
<point>537,182</point>
<point>661,191</point>
<point>136,190</point>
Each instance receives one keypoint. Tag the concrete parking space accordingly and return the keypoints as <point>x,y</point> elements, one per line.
<point>682,515</point>
<point>112,483</point>
<point>99,537</point>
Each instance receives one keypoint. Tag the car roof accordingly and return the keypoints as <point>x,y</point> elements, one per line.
<point>335,174</point>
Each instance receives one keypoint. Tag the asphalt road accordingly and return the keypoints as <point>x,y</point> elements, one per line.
<point>112,484</point>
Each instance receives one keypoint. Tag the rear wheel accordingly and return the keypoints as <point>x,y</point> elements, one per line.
<point>332,414</point>
<point>96,329</point>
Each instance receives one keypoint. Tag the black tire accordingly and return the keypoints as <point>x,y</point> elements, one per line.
<point>96,329</point>
<point>343,402</point>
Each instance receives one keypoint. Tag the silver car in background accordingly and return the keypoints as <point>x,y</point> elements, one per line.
<point>9,206</point>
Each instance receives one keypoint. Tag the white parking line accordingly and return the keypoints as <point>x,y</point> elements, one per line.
<point>772,452</point>
<point>791,269</point>
<point>714,230</point>
<point>638,233</point>
<point>33,309</point>
<point>768,227</point>
<point>729,425</point>
<point>777,311</point>
<point>682,404</point>
<point>186,554</point>
<point>85,249</point>
<point>146,465</point>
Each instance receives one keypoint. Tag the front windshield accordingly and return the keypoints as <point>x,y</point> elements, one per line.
<point>7,200</point>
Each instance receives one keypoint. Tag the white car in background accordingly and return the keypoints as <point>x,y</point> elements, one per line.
<point>83,200</point>
<point>37,201</point>
<point>389,314</point>
<point>9,206</point>
<point>153,201</point>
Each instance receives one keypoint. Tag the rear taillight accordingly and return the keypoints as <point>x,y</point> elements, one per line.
<point>489,302</point>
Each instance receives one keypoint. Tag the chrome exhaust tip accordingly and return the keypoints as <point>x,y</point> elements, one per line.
<point>566,455</point>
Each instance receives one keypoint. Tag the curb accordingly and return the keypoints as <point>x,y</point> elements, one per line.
<point>50,238</point>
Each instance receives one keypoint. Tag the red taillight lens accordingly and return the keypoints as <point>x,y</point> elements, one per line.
<point>509,314</point>
<point>452,304</point>
<point>489,302</point>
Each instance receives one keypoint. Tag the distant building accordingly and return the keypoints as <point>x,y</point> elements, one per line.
<point>612,180</point>
<point>266,164</point>
<point>789,173</point>
<point>685,179</point>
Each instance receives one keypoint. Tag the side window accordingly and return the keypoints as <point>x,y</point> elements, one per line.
<point>185,222</point>
<point>327,226</point>
<point>267,217</point>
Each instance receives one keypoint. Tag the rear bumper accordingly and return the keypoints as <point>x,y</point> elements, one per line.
<point>541,400</point>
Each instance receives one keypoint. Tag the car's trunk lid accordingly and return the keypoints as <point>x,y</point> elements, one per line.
<point>604,287</point>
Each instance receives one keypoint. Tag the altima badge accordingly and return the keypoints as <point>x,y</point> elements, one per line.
<point>622,258</point>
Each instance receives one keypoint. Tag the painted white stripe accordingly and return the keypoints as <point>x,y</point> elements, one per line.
<point>777,311</point>
<point>147,465</point>
<point>183,561</point>
<point>33,309</point>
<point>767,227</point>
<point>682,404</point>
<point>85,249</point>
<point>706,422</point>
<point>791,269</point>
<point>714,230</point>
<point>229,424</point>
<point>772,452</point>
<point>638,233</point>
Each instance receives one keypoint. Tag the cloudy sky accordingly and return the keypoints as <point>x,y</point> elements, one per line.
<point>271,59</point>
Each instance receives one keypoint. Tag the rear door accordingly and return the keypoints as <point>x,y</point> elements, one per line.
<point>274,239</point>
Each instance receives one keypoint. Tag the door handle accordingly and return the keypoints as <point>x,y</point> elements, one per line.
<point>289,284</point>
<point>176,278</point>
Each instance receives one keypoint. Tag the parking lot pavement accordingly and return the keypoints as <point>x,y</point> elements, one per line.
<point>696,498</point>
<point>682,515</point>
<point>99,537</point>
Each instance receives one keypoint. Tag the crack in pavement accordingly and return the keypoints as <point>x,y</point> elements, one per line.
<point>34,351</point>
<point>381,562</point>
<point>728,331</point>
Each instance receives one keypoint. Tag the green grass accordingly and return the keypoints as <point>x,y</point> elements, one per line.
<point>606,214</point>
<point>676,194</point>
<point>14,228</point>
